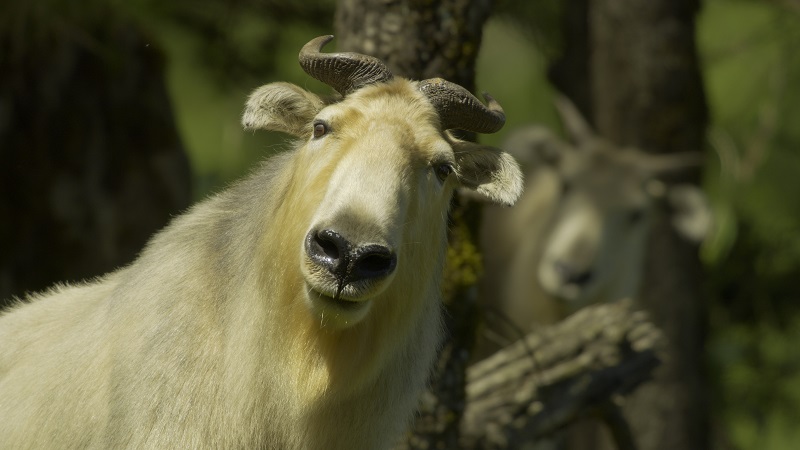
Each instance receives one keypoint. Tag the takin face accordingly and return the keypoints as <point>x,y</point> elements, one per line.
<point>602,207</point>
<point>376,173</point>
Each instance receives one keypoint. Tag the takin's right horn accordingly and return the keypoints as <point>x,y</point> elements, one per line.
<point>458,108</point>
<point>346,72</point>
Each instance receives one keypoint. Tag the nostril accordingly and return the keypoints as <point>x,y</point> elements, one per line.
<point>328,245</point>
<point>581,278</point>
<point>571,275</point>
<point>373,261</point>
<point>328,249</point>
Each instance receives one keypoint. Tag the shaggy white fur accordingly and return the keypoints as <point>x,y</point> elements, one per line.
<point>223,333</point>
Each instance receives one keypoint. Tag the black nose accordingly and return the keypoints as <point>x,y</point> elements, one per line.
<point>328,249</point>
<point>348,262</point>
<point>572,275</point>
<point>372,261</point>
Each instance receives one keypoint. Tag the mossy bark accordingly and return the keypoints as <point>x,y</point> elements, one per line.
<point>421,39</point>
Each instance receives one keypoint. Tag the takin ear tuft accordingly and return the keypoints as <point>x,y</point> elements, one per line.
<point>489,171</point>
<point>281,107</point>
<point>691,216</point>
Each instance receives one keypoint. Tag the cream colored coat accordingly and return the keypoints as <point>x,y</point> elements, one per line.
<point>217,336</point>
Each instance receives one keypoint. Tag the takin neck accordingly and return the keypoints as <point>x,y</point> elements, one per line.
<point>309,369</point>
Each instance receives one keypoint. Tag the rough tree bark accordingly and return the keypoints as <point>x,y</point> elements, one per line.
<point>90,159</point>
<point>558,375</point>
<point>645,90</point>
<point>417,38</point>
<point>424,39</point>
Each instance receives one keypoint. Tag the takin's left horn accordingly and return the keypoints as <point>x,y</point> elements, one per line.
<point>346,72</point>
<point>458,108</point>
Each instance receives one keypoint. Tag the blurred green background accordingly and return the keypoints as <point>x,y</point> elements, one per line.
<point>217,51</point>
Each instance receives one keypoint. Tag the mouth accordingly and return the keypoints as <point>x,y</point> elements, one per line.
<point>336,311</point>
<point>338,302</point>
<point>569,292</point>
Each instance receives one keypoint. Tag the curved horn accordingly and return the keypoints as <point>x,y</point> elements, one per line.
<point>458,108</point>
<point>574,123</point>
<point>345,72</point>
<point>660,163</point>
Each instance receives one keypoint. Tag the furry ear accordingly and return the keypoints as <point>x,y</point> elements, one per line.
<point>489,171</point>
<point>691,216</point>
<point>281,107</point>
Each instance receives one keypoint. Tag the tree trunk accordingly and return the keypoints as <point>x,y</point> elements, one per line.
<point>90,160</point>
<point>418,40</point>
<point>647,92</point>
<point>569,73</point>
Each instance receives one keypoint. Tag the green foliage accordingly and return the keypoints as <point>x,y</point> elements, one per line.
<point>512,68</point>
<point>540,21</point>
<point>238,39</point>
<point>753,258</point>
<point>758,367</point>
<point>756,115</point>
<point>218,52</point>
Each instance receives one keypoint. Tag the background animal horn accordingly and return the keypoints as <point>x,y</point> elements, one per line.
<point>458,108</point>
<point>576,126</point>
<point>657,164</point>
<point>345,72</point>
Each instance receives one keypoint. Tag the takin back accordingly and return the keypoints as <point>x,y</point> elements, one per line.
<point>297,309</point>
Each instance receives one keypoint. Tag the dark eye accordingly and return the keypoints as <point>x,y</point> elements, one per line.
<point>635,216</point>
<point>565,187</point>
<point>443,170</point>
<point>320,128</point>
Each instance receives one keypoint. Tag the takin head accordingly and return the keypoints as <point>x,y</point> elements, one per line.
<point>593,247</point>
<point>374,174</point>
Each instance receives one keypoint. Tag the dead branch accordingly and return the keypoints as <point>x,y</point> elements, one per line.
<point>548,379</point>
